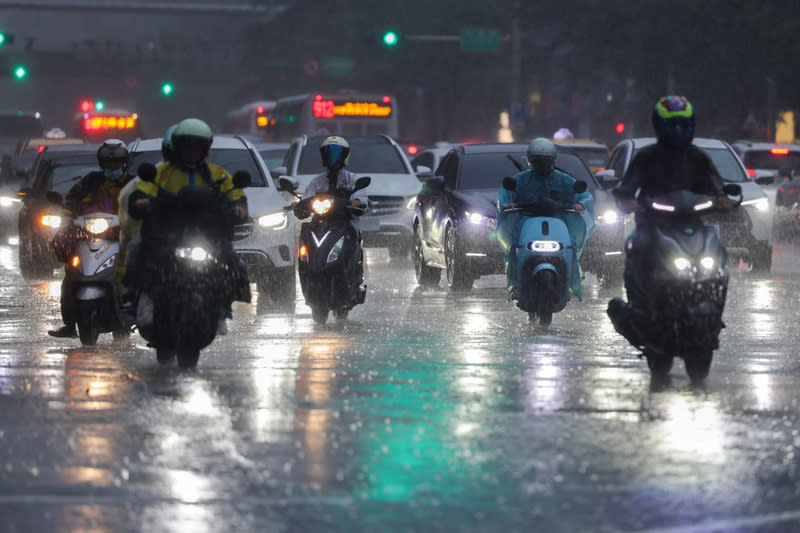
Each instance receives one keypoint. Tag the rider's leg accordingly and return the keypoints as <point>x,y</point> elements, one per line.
<point>68,311</point>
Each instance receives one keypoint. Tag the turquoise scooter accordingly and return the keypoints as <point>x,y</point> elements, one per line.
<point>546,256</point>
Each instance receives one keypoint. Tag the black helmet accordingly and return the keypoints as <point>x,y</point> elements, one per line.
<point>335,152</point>
<point>113,149</point>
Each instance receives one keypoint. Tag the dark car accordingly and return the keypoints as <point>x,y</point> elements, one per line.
<point>56,169</point>
<point>456,212</point>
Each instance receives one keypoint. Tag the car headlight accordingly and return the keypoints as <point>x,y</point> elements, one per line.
<point>196,253</point>
<point>608,217</point>
<point>108,263</point>
<point>681,263</point>
<point>336,251</point>
<point>51,221</point>
<point>707,263</point>
<point>275,221</point>
<point>321,207</point>
<point>7,201</point>
<point>477,218</point>
<point>412,202</point>
<point>97,226</point>
<point>761,204</point>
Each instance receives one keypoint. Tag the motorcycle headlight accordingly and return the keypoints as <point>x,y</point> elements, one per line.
<point>274,221</point>
<point>321,207</point>
<point>108,263</point>
<point>7,201</point>
<point>761,204</point>
<point>51,221</point>
<point>196,253</point>
<point>608,217</point>
<point>707,263</point>
<point>336,251</point>
<point>97,225</point>
<point>474,218</point>
<point>681,263</point>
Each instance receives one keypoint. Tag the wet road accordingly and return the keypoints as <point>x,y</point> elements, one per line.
<point>427,412</point>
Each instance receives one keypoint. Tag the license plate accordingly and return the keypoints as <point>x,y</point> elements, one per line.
<point>369,224</point>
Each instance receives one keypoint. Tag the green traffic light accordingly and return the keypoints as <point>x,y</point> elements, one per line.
<point>20,72</point>
<point>390,38</point>
<point>2,38</point>
<point>99,105</point>
<point>167,89</point>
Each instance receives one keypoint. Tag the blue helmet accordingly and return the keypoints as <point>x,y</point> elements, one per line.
<point>673,120</point>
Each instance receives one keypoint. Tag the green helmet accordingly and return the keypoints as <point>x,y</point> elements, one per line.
<point>192,129</point>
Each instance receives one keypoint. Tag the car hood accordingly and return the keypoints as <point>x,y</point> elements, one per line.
<point>482,200</point>
<point>750,190</point>
<point>263,200</point>
<point>381,185</point>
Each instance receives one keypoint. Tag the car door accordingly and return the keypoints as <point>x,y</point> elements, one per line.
<point>618,162</point>
<point>448,170</point>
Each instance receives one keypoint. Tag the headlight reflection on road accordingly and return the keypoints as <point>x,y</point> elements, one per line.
<point>544,376</point>
<point>763,320</point>
<point>693,429</point>
<point>762,389</point>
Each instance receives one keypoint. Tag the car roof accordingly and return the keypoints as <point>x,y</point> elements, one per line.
<point>581,143</point>
<point>220,141</point>
<point>748,145</point>
<point>71,148</point>
<point>489,148</point>
<point>351,139</point>
<point>271,146</point>
<point>700,142</point>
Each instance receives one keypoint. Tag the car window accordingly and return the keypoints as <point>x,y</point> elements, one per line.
<point>448,169</point>
<point>487,170</point>
<point>61,178</point>
<point>288,160</point>
<point>231,159</point>
<point>726,164</point>
<point>619,160</point>
<point>595,156</point>
<point>273,157</point>
<point>765,159</point>
<point>425,159</point>
<point>367,156</point>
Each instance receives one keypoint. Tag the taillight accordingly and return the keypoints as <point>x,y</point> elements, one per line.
<point>792,191</point>
<point>781,190</point>
<point>751,172</point>
<point>780,151</point>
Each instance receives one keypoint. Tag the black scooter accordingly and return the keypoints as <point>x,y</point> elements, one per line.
<point>185,279</point>
<point>331,258</point>
<point>675,303</point>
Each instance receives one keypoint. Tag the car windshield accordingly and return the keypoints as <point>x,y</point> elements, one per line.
<point>61,178</point>
<point>487,170</point>
<point>726,164</point>
<point>595,156</point>
<point>273,157</point>
<point>766,160</point>
<point>231,159</point>
<point>367,156</point>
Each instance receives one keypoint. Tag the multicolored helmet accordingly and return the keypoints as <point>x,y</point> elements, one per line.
<point>673,121</point>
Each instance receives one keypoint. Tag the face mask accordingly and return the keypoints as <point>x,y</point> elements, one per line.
<point>542,166</point>
<point>114,174</point>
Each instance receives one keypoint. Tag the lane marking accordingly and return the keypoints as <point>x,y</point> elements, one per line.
<point>733,523</point>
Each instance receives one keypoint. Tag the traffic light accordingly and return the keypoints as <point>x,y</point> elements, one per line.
<point>20,72</point>
<point>390,38</point>
<point>620,128</point>
<point>6,38</point>
<point>99,105</point>
<point>167,89</point>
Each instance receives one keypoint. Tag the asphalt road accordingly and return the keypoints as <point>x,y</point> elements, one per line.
<point>427,411</point>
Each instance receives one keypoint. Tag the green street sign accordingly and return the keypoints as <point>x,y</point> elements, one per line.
<point>338,67</point>
<point>480,40</point>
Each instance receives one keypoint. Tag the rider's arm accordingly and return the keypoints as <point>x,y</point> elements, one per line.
<point>506,197</point>
<point>78,192</point>
<point>625,192</point>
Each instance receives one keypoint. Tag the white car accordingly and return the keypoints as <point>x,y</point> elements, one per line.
<point>266,242</point>
<point>392,193</point>
<point>746,231</point>
<point>426,162</point>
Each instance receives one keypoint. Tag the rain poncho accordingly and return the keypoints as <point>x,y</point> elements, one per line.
<point>532,188</point>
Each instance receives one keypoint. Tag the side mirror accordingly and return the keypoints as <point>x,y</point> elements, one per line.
<point>435,184</point>
<point>607,179</point>
<point>277,172</point>
<point>362,183</point>
<point>731,189</point>
<point>241,179</point>
<point>285,183</point>
<point>579,187</point>
<point>765,180</point>
<point>54,198</point>
<point>423,172</point>
<point>147,172</point>
<point>510,184</point>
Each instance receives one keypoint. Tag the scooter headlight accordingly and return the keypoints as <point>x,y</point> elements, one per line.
<point>197,253</point>
<point>51,221</point>
<point>545,246</point>
<point>108,263</point>
<point>321,207</point>
<point>682,264</point>
<point>336,251</point>
<point>97,226</point>
<point>707,263</point>
<point>608,217</point>
<point>475,218</point>
<point>7,201</point>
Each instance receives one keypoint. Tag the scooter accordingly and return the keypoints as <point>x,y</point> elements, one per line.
<point>675,304</point>
<point>546,257</point>
<point>93,269</point>
<point>184,280</point>
<point>331,258</point>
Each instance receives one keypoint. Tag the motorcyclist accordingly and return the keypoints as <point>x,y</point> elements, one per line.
<point>335,153</point>
<point>191,141</point>
<point>553,189</point>
<point>97,191</point>
<point>130,235</point>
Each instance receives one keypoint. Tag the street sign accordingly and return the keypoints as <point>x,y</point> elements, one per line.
<point>480,40</point>
<point>312,67</point>
<point>337,67</point>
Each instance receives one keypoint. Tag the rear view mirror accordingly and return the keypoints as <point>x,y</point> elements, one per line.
<point>241,179</point>
<point>579,187</point>
<point>423,172</point>
<point>147,172</point>
<point>287,184</point>
<point>510,184</point>
<point>54,198</point>
<point>731,189</point>
<point>277,172</point>
<point>765,180</point>
<point>607,179</point>
<point>362,183</point>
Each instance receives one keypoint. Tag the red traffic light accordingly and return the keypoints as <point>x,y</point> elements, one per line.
<point>620,127</point>
<point>87,105</point>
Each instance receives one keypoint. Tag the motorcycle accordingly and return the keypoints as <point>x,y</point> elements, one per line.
<point>546,256</point>
<point>675,303</point>
<point>331,258</point>
<point>185,279</point>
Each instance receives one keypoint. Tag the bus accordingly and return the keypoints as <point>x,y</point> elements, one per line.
<point>98,125</point>
<point>255,118</point>
<point>341,113</point>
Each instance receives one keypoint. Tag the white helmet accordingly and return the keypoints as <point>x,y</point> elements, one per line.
<point>335,152</point>
<point>542,156</point>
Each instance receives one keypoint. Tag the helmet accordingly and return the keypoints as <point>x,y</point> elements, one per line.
<point>192,130</point>
<point>673,121</point>
<point>542,156</point>
<point>335,152</point>
<point>113,149</point>
<point>167,146</point>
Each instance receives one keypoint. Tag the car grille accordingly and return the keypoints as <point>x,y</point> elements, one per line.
<point>243,231</point>
<point>384,205</point>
